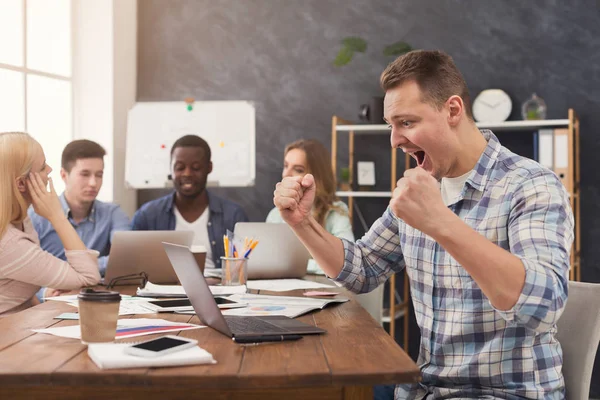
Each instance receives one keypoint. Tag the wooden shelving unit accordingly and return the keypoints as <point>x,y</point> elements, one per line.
<point>339,125</point>
<point>396,310</point>
<point>575,192</point>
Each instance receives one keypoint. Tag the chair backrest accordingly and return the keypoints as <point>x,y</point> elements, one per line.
<point>579,334</point>
<point>373,303</point>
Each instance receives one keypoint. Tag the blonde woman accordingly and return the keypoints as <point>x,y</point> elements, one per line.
<point>24,266</point>
<point>311,157</point>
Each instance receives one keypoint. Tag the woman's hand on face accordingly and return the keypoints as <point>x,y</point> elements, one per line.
<point>45,203</point>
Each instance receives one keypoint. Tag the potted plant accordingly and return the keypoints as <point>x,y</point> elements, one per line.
<point>372,112</point>
<point>355,44</point>
<point>344,183</point>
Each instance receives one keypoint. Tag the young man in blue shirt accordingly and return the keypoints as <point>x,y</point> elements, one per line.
<point>82,170</point>
<point>191,206</point>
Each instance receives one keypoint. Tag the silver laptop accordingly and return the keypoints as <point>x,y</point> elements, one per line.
<point>279,253</point>
<point>206,308</point>
<point>132,252</point>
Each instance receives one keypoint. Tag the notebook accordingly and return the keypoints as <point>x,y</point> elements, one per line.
<point>112,355</point>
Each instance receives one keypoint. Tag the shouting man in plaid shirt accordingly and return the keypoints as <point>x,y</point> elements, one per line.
<point>484,235</point>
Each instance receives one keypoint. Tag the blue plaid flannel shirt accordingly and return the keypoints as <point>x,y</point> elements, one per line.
<point>469,349</point>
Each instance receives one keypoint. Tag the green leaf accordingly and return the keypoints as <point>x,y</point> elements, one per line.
<point>354,43</point>
<point>532,114</point>
<point>345,175</point>
<point>396,49</point>
<point>343,57</point>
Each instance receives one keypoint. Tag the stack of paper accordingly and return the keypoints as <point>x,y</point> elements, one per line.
<point>73,298</point>
<point>112,355</point>
<point>282,285</point>
<point>278,305</point>
<point>153,290</point>
<point>126,328</point>
<point>129,305</point>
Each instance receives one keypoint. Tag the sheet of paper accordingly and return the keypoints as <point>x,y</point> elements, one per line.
<point>73,298</point>
<point>282,285</point>
<point>266,300</point>
<point>318,293</point>
<point>152,289</point>
<point>68,315</point>
<point>134,308</point>
<point>125,328</point>
<point>227,290</point>
<point>262,310</point>
<point>129,307</point>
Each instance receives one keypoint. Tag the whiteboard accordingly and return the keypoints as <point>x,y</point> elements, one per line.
<point>227,126</point>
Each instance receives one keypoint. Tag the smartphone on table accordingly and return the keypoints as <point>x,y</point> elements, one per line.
<point>185,305</point>
<point>160,346</point>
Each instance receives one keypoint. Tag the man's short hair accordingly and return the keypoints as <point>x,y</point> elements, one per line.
<point>435,73</point>
<point>79,149</point>
<point>192,141</point>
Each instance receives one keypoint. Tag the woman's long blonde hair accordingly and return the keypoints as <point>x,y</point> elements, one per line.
<point>17,151</point>
<point>318,163</point>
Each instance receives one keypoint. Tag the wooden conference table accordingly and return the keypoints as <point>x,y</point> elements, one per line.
<point>354,354</point>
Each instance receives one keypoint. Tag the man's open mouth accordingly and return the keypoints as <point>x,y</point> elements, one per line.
<point>420,157</point>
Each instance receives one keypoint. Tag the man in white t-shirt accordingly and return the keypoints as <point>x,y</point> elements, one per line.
<point>191,206</point>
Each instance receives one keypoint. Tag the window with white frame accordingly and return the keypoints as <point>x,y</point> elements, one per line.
<point>36,74</point>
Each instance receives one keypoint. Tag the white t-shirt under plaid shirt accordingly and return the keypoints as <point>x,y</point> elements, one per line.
<point>468,348</point>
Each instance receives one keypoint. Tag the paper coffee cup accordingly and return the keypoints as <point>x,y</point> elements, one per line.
<point>199,253</point>
<point>98,315</point>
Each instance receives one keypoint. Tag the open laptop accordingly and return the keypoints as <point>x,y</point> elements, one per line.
<point>279,254</point>
<point>132,252</point>
<point>206,309</point>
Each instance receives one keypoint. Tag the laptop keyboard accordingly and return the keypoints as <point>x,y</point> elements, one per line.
<point>251,325</point>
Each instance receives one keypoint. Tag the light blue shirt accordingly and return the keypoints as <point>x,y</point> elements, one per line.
<point>95,230</point>
<point>337,223</point>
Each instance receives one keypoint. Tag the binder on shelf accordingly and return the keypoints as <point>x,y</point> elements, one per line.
<point>561,158</point>
<point>536,146</point>
<point>546,148</point>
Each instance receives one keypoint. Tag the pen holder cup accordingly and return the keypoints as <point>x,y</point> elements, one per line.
<point>234,271</point>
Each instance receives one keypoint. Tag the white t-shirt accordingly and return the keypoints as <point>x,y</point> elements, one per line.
<point>452,187</point>
<point>200,229</point>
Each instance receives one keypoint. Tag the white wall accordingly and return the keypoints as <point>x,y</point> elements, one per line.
<point>124,93</point>
<point>104,75</point>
